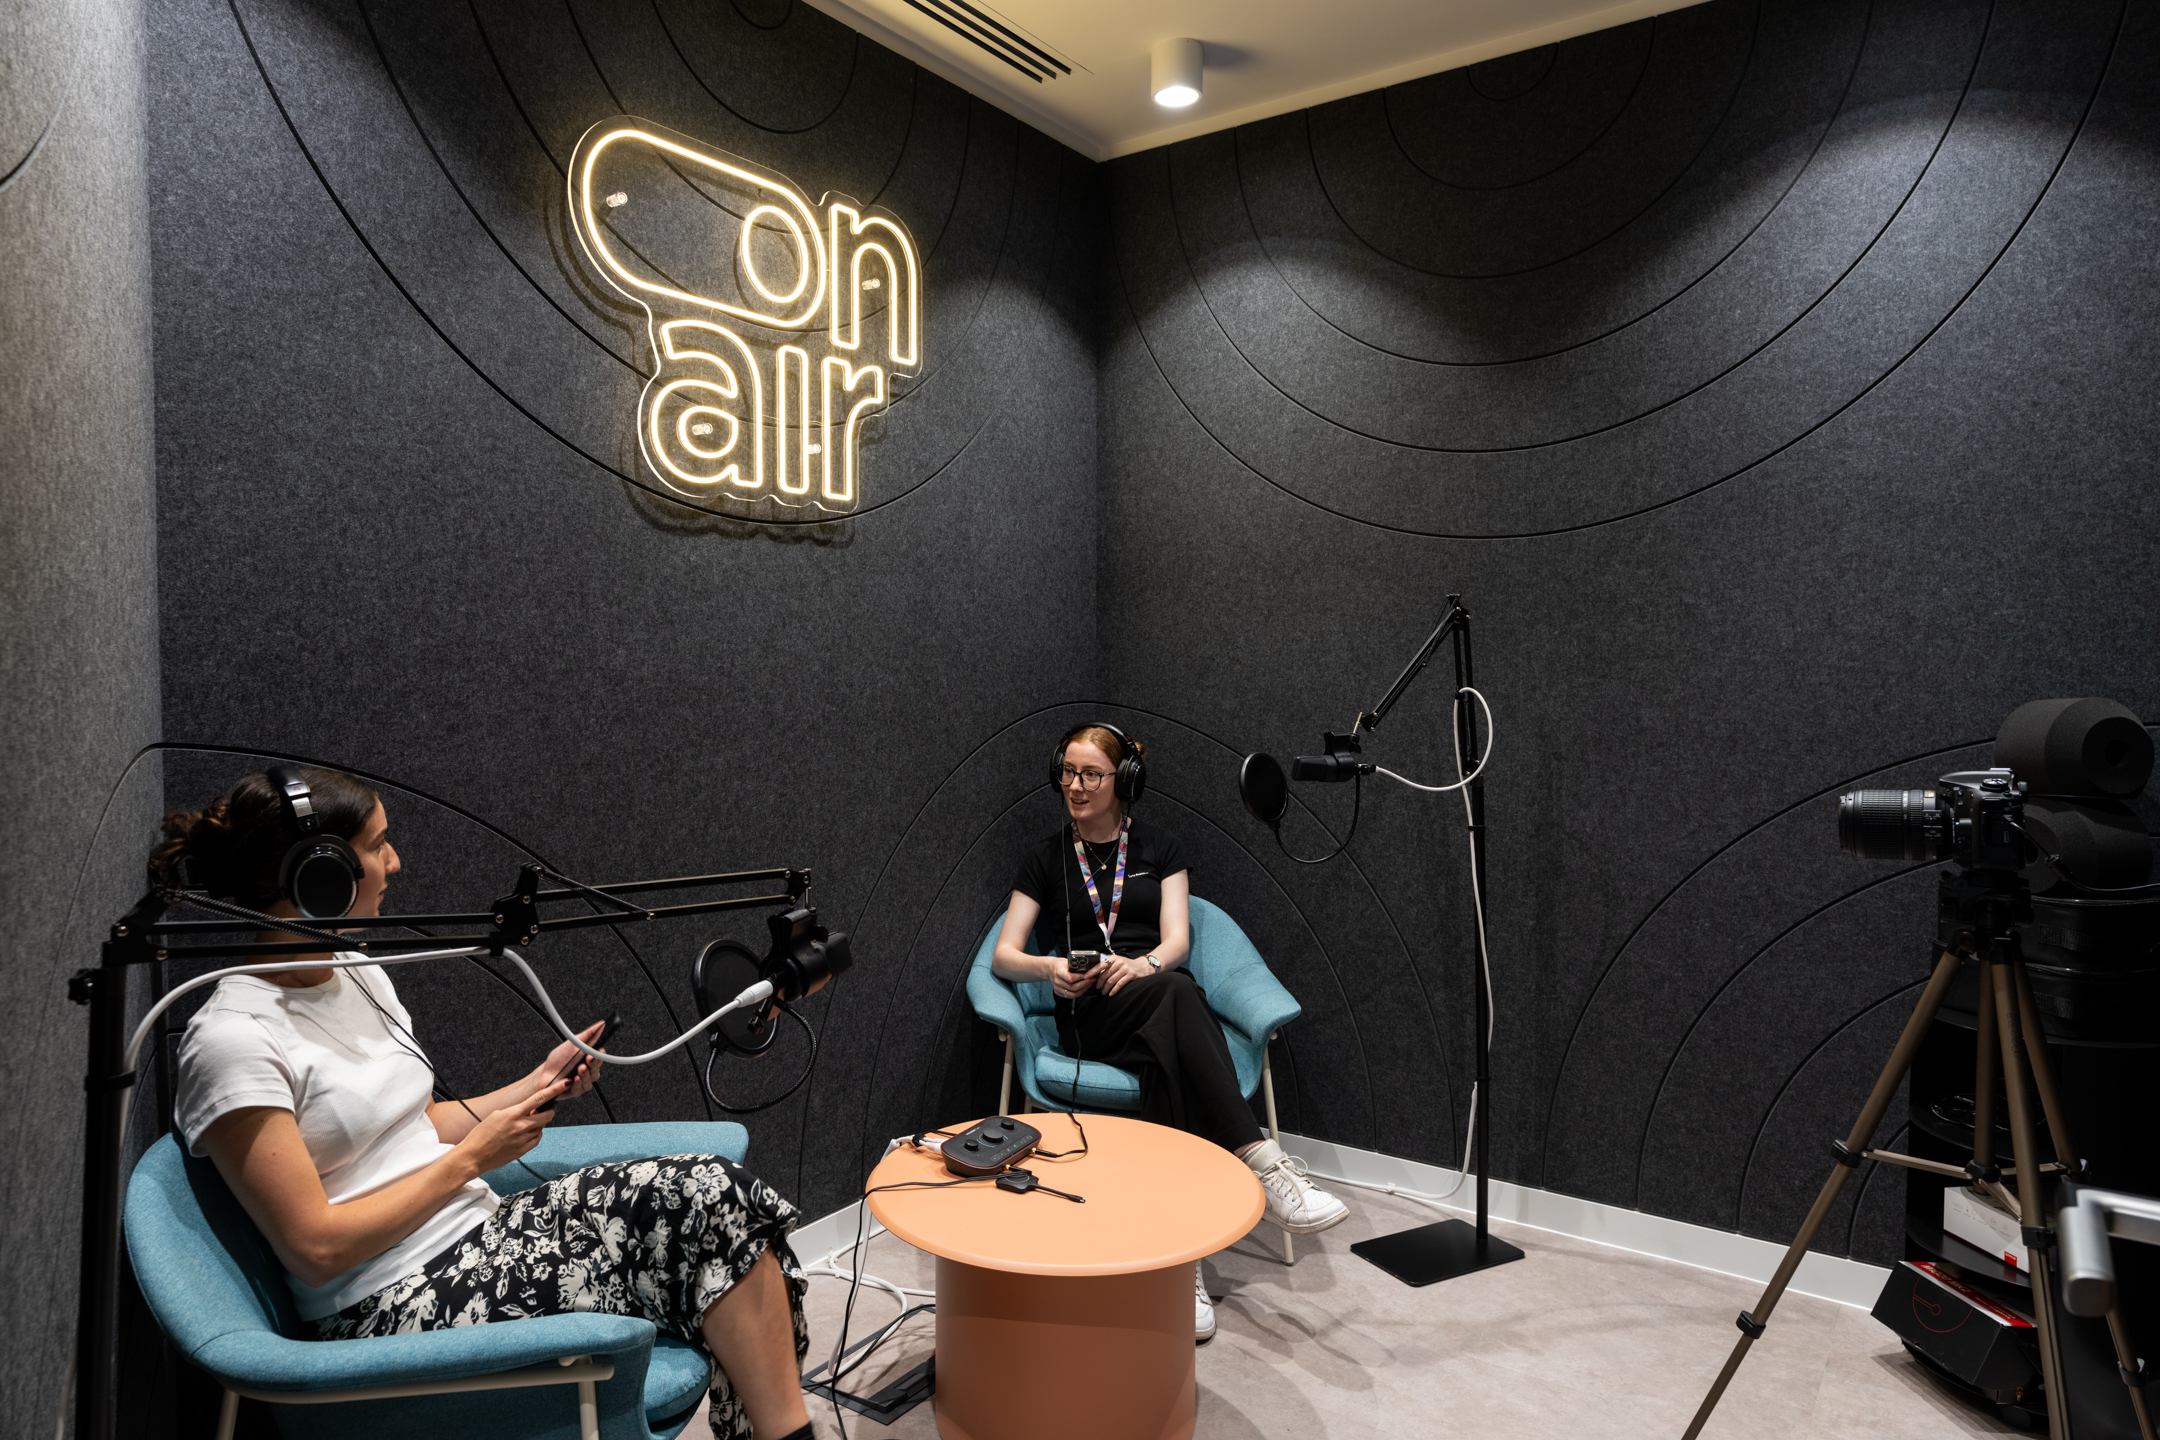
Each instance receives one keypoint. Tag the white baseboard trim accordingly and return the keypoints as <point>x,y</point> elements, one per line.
<point>1848,1282</point>
<point>820,1241</point>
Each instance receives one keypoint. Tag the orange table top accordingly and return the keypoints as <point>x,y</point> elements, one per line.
<point>1155,1197</point>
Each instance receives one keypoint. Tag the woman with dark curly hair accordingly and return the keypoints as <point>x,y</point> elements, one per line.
<point>309,1093</point>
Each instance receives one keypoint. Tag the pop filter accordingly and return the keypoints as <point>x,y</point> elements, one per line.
<point>723,970</point>
<point>1263,788</point>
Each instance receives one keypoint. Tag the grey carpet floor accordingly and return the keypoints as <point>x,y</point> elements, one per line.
<point>1574,1340</point>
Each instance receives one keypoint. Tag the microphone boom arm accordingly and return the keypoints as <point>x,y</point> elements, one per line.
<point>1455,619</point>
<point>802,957</point>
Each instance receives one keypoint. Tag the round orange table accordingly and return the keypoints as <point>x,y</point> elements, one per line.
<point>1058,1320</point>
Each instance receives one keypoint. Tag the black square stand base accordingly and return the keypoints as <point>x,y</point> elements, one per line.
<point>890,1403</point>
<point>1440,1251</point>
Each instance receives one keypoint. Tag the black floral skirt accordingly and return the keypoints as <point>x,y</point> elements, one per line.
<point>661,1239</point>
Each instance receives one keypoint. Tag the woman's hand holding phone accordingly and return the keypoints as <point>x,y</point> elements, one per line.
<point>507,1134</point>
<point>568,1064</point>
<point>1074,977</point>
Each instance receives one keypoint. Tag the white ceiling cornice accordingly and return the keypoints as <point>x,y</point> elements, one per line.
<point>1265,57</point>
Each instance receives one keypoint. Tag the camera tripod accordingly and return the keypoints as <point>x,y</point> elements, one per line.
<point>1975,910</point>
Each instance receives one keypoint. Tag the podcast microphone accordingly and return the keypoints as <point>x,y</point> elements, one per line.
<point>803,956</point>
<point>1266,791</point>
<point>1339,764</point>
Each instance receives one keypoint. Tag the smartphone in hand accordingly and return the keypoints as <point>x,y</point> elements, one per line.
<point>599,1042</point>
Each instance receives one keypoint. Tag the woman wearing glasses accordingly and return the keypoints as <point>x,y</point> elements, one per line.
<point>1110,883</point>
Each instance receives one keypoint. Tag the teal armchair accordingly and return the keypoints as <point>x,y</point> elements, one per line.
<point>1244,994</point>
<point>219,1294</point>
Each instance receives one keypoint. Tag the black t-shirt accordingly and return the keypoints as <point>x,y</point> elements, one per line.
<point>1050,876</point>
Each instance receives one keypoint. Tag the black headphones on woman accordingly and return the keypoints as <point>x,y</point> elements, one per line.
<point>1131,781</point>
<point>320,873</point>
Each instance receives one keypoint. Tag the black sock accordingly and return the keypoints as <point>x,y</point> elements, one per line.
<point>799,1433</point>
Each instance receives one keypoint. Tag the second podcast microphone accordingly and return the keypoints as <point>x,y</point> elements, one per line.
<point>1340,763</point>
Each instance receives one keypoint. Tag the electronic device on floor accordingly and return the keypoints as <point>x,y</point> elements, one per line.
<point>1956,1329</point>
<point>990,1147</point>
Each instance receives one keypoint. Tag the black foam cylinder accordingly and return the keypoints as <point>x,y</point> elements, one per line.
<point>2102,843</point>
<point>2076,747</point>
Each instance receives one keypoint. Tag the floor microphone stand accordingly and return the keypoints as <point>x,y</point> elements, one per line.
<point>1448,1248</point>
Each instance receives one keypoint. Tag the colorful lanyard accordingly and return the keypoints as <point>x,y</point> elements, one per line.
<point>1117,884</point>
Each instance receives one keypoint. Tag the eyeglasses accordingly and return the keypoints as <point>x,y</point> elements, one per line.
<point>1090,780</point>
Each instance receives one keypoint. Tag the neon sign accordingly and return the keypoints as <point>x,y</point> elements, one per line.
<point>743,282</point>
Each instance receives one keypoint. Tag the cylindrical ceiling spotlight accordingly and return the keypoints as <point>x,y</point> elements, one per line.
<point>1175,72</point>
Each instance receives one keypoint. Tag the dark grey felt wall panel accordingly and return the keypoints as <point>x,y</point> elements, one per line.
<point>78,646</point>
<point>1773,379</point>
<point>1775,382</point>
<point>403,528</point>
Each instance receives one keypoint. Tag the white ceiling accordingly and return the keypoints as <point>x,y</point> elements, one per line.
<point>1263,57</point>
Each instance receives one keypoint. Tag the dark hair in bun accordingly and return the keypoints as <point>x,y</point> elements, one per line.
<point>233,846</point>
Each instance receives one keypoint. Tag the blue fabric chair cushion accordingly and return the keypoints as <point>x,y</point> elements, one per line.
<point>219,1293</point>
<point>1243,993</point>
<point>676,1380</point>
<point>1102,1087</point>
<point>565,1148</point>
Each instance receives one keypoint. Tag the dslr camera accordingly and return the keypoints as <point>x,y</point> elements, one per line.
<point>2051,811</point>
<point>1974,817</point>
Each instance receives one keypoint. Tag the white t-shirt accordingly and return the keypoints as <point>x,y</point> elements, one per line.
<point>327,1055</point>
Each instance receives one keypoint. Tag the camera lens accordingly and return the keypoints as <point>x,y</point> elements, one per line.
<point>1892,825</point>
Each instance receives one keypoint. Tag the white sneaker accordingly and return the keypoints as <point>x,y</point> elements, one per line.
<point>1203,1310</point>
<point>1293,1202</point>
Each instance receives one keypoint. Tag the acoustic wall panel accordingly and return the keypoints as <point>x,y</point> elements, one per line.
<point>78,590</point>
<point>407,528</point>
<point>1774,382</point>
<point>1770,378</point>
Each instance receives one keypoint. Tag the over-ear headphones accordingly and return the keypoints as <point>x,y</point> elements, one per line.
<point>320,873</point>
<point>1131,781</point>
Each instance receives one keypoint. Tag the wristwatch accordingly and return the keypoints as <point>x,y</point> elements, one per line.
<point>1155,965</point>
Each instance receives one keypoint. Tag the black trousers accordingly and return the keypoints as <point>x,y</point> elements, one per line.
<point>1161,1029</point>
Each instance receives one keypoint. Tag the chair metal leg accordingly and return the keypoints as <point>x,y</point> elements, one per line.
<point>1005,1085</point>
<point>228,1415</point>
<point>588,1411</point>
<point>1267,1088</point>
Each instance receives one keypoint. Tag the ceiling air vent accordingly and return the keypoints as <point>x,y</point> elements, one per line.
<point>984,32</point>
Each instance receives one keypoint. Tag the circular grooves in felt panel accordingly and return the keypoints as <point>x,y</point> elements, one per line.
<point>1728,279</point>
<point>442,144</point>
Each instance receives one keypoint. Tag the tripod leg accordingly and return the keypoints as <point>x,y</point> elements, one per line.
<point>1984,1074</point>
<point>2127,1358</point>
<point>2043,1073</point>
<point>1886,1084</point>
<point>2022,1142</point>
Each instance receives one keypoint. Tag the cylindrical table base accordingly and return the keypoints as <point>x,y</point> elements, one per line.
<point>1049,1357</point>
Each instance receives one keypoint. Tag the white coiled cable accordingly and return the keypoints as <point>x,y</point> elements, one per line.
<point>756,995</point>
<point>1477,897</point>
<point>1463,780</point>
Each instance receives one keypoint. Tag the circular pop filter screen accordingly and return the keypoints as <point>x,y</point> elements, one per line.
<point>1263,788</point>
<point>724,970</point>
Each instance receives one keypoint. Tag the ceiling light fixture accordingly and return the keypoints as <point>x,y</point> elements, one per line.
<point>1174,67</point>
